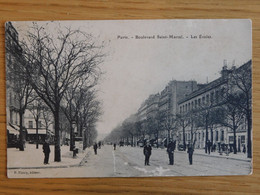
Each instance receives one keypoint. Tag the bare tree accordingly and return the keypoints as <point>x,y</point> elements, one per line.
<point>73,100</point>
<point>47,116</point>
<point>232,115</point>
<point>154,126</point>
<point>36,108</point>
<point>115,135</point>
<point>206,110</point>
<point>87,116</point>
<point>239,88</point>
<point>183,122</point>
<point>170,123</point>
<point>54,63</point>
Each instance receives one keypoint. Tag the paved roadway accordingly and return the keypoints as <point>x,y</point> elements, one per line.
<point>129,162</point>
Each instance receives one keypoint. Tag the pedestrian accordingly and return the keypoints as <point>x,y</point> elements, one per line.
<point>114,146</point>
<point>214,147</point>
<point>208,146</point>
<point>170,150</point>
<point>99,144</point>
<point>147,153</point>
<point>190,152</point>
<point>46,151</point>
<point>244,148</point>
<point>95,146</point>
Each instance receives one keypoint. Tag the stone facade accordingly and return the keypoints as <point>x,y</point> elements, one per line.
<point>206,97</point>
<point>12,103</point>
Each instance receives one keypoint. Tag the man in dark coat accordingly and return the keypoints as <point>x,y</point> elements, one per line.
<point>147,153</point>
<point>46,151</point>
<point>190,152</point>
<point>114,146</point>
<point>170,149</point>
<point>95,148</point>
<point>208,146</point>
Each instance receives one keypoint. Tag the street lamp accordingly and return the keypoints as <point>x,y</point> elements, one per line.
<point>74,130</point>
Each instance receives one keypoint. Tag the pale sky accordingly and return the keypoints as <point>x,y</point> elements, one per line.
<point>136,68</point>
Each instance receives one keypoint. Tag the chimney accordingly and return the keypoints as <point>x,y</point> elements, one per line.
<point>224,71</point>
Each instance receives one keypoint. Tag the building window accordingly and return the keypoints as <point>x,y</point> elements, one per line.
<point>231,139</point>
<point>30,124</point>
<point>222,135</point>
<point>203,100</point>
<point>39,124</point>
<point>212,97</point>
<point>203,136</point>
<point>16,118</point>
<point>199,102</point>
<point>222,92</point>
<point>192,105</point>
<point>243,139</point>
<point>207,99</point>
<point>216,136</point>
<point>217,96</point>
<point>11,116</point>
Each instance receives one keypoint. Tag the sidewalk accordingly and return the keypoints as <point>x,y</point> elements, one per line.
<point>33,158</point>
<point>238,156</point>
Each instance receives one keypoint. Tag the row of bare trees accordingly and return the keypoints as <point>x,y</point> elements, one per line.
<point>61,67</point>
<point>231,108</point>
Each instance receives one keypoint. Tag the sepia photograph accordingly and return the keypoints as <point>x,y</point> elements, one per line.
<point>128,98</point>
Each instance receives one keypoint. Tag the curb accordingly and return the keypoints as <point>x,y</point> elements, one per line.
<point>62,166</point>
<point>81,163</point>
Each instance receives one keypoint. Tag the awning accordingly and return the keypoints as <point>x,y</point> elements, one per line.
<point>16,127</point>
<point>12,130</point>
<point>33,131</point>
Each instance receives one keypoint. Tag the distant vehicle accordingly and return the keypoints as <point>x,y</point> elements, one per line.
<point>154,145</point>
<point>121,143</point>
<point>141,144</point>
<point>180,147</point>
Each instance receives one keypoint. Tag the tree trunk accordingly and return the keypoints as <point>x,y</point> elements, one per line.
<point>235,141</point>
<point>57,156</point>
<point>37,133</point>
<point>21,136</point>
<point>71,137</point>
<point>184,141</point>
<point>207,136</point>
<point>211,138</point>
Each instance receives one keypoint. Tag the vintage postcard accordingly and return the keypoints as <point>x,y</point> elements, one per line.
<point>128,98</point>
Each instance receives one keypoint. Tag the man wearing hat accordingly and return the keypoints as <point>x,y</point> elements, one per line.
<point>170,150</point>
<point>147,153</point>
